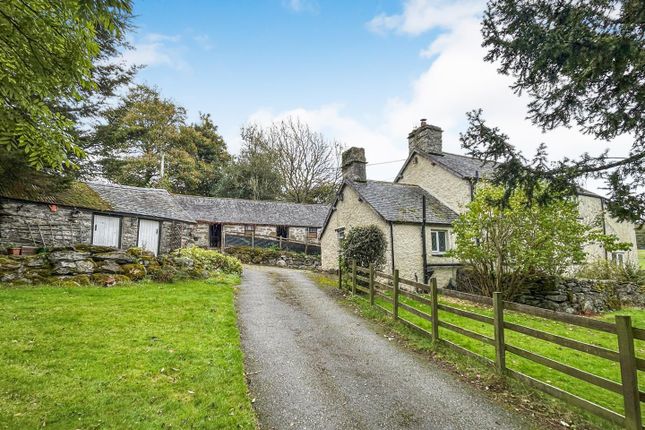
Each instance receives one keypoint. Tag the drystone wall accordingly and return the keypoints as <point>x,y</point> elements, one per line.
<point>575,296</point>
<point>80,264</point>
<point>271,257</point>
<point>585,296</point>
<point>88,264</point>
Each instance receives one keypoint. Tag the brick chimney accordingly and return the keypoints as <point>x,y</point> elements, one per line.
<point>353,164</point>
<point>426,138</point>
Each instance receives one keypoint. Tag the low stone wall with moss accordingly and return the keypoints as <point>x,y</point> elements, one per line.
<point>585,296</point>
<point>89,264</point>
<point>274,257</point>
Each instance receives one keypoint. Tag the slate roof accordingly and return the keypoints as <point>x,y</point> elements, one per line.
<point>259,212</point>
<point>146,202</point>
<point>469,167</point>
<point>43,188</point>
<point>466,167</point>
<point>402,202</point>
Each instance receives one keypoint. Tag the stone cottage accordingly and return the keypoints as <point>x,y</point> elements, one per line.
<point>447,180</point>
<point>92,213</point>
<point>224,222</point>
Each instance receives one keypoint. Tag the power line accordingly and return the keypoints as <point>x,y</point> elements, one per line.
<point>386,162</point>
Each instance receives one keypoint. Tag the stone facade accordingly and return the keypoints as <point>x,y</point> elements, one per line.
<point>42,225</point>
<point>351,211</point>
<point>451,190</point>
<point>34,224</point>
<point>200,234</point>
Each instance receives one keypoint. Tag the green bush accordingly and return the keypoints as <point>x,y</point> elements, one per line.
<point>608,270</point>
<point>365,245</point>
<point>208,261</point>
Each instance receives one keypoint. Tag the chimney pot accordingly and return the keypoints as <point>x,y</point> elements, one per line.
<point>423,122</point>
<point>353,164</point>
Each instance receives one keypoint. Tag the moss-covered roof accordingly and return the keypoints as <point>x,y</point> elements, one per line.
<point>39,188</point>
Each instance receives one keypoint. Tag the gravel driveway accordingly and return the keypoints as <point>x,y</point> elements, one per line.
<point>313,364</point>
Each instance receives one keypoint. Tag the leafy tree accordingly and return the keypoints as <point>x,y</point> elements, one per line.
<point>146,142</point>
<point>504,246</point>
<point>582,63</point>
<point>365,245</point>
<point>47,49</point>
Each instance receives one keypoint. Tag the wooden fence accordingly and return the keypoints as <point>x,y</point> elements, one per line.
<point>386,287</point>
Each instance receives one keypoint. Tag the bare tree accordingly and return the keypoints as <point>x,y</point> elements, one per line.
<point>305,160</point>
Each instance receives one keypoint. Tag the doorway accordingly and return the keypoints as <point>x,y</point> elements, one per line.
<point>215,235</point>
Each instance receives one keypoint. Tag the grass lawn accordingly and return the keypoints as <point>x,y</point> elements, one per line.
<point>589,363</point>
<point>145,355</point>
<point>641,258</point>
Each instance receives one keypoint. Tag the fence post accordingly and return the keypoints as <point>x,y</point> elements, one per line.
<point>434,314</point>
<point>498,323</point>
<point>395,309</point>
<point>353,276</point>
<point>628,372</point>
<point>372,284</point>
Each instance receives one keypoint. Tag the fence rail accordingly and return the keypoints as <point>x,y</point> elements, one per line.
<point>386,287</point>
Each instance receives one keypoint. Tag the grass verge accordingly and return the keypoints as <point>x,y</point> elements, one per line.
<point>145,355</point>
<point>641,258</point>
<point>510,391</point>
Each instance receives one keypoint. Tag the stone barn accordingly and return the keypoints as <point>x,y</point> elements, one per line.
<point>92,213</point>
<point>225,222</point>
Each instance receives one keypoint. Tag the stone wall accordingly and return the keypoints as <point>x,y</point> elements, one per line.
<point>584,296</point>
<point>576,296</point>
<point>81,264</point>
<point>29,224</point>
<point>271,257</point>
<point>102,265</point>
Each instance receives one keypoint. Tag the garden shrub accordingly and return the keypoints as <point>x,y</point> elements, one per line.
<point>365,245</point>
<point>207,261</point>
<point>608,270</point>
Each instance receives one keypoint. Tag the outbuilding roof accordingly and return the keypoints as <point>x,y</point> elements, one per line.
<point>257,212</point>
<point>402,202</point>
<point>146,202</point>
<point>42,188</point>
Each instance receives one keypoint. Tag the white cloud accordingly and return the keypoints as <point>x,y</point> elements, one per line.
<point>456,81</point>
<point>419,16</point>
<point>300,6</point>
<point>154,49</point>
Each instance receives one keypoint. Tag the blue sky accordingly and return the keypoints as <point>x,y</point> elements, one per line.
<point>362,72</point>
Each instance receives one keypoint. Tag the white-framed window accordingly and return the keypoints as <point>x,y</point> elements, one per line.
<point>439,241</point>
<point>618,258</point>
